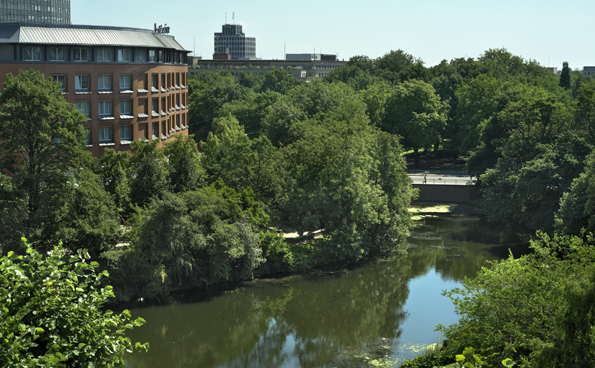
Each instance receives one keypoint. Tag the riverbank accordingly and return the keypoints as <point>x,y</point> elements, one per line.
<point>326,319</point>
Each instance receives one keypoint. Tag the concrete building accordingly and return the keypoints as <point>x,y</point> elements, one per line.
<point>303,67</point>
<point>588,71</point>
<point>35,11</point>
<point>130,83</point>
<point>232,43</point>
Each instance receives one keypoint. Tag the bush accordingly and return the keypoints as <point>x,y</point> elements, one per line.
<point>51,313</point>
<point>509,309</point>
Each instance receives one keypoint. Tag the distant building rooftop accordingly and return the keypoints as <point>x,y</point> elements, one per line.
<point>64,34</point>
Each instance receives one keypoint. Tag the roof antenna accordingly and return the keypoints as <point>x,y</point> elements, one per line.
<point>234,17</point>
<point>225,17</point>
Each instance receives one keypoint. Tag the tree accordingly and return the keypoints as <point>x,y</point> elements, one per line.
<point>279,81</point>
<point>52,312</point>
<point>185,171</point>
<point>43,155</point>
<point>509,310</point>
<point>565,76</point>
<point>415,112</point>
<point>577,205</point>
<point>191,239</point>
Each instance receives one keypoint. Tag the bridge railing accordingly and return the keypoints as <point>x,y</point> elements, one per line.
<point>442,181</point>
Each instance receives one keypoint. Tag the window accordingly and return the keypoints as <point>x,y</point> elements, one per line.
<point>125,107</point>
<point>81,82</point>
<point>57,54</point>
<point>88,136</point>
<point>155,130</point>
<point>105,108</point>
<point>125,133</point>
<point>104,54</point>
<point>80,54</point>
<point>124,55</point>
<point>104,82</point>
<point>154,81</point>
<point>152,57</point>
<point>163,106</point>
<point>162,80</point>
<point>161,56</point>
<point>60,79</point>
<point>32,53</point>
<point>105,134</point>
<point>125,82</point>
<point>83,107</point>
<point>155,104</point>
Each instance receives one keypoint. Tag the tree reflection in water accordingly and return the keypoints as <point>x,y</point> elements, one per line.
<point>317,320</point>
<point>301,323</point>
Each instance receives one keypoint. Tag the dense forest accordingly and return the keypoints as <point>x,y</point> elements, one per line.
<point>326,160</point>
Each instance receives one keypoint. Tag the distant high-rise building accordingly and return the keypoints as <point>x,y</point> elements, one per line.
<point>233,42</point>
<point>35,11</point>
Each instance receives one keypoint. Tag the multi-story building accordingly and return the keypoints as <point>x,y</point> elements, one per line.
<point>588,71</point>
<point>303,67</point>
<point>232,43</point>
<point>35,11</point>
<point>130,83</point>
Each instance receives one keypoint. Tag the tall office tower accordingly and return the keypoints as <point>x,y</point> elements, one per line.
<point>35,11</point>
<point>233,41</point>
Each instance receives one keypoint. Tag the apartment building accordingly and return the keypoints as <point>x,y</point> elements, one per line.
<point>130,83</point>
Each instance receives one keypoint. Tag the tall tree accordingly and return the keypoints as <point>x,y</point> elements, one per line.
<point>43,155</point>
<point>565,76</point>
<point>416,113</point>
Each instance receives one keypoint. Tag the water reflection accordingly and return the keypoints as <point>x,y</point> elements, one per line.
<point>310,322</point>
<point>301,323</point>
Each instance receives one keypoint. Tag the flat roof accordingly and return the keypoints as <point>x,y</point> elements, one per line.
<point>72,34</point>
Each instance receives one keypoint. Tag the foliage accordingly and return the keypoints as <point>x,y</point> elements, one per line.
<point>250,111</point>
<point>191,239</point>
<point>185,171</point>
<point>277,253</point>
<point>279,81</point>
<point>508,309</point>
<point>49,192</point>
<point>539,159</point>
<point>112,169</point>
<point>206,100</point>
<point>415,112</point>
<point>565,76</point>
<point>52,313</point>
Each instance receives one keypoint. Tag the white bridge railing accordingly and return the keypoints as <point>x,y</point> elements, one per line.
<point>442,181</point>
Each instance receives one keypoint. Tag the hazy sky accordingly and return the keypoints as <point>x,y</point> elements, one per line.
<point>547,31</point>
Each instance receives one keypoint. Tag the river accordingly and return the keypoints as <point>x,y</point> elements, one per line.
<point>342,319</point>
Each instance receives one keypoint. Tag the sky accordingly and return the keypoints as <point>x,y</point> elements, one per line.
<point>549,32</point>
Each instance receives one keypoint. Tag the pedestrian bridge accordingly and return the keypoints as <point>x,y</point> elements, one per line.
<point>436,186</point>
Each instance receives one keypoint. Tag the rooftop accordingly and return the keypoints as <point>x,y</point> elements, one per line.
<point>63,34</point>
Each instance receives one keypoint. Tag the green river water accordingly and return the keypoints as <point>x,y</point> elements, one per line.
<point>342,319</point>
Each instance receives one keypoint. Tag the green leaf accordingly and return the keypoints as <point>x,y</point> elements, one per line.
<point>460,358</point>
<point>508,362</point>
<point>39,330</point>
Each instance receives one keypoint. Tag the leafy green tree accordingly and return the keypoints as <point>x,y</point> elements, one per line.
<point>43,155</point>
<point>52,313</point>
<point>584,116</point>
<point>149,172</point>
<point>415,112</point>
<point>539,159</point>
<point>574,346</point>
<point>113,169</point>
<point>185,171</point>
<point>565,76</point>
<point>279,80</point>
<point>509,310</point>
<point>204,103</point>
<point>244,163</point>
<point>251,80</point>
<point>577,206</point>
<point>354,76</point>
<point>399,66</point>
<point>192,239</point>
<point>251,111</point>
